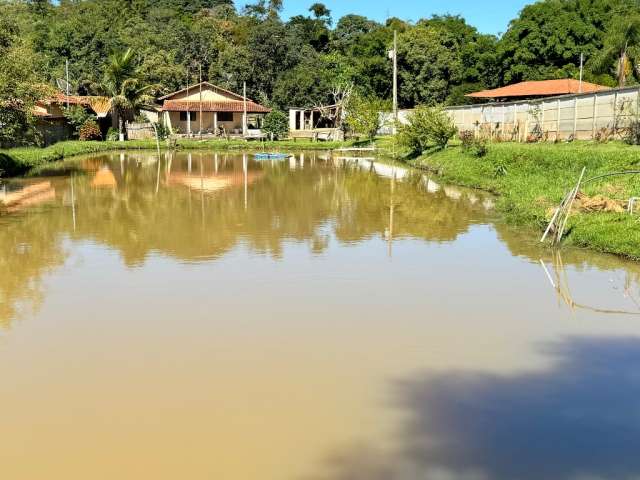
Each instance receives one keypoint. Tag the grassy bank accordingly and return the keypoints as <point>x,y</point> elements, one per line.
<point>532,179</point>
<point>17,161</point>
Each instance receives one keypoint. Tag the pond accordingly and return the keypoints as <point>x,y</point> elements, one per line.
<point>212,316</point>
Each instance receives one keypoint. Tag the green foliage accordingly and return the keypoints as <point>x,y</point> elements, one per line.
<point>428,127</point>
<point>276,124</point>
<point>89,131</point>
<point>364,115</point>
<point>19,90</point>
<point>476,146</point>
<point>77,116</point>
<point>621,47</point>
<point>532,179</point>
<point>112,134</point>
<point>122,48</point>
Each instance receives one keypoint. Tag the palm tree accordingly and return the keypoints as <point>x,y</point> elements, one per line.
<point>123,85</point>
<point>621,47</point>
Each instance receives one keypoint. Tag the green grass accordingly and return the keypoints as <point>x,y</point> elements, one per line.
<point>18,161</point>
<point>532,179</point>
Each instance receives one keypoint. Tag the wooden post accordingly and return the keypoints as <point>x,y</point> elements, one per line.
<point>215,123</point>
<point>558,120</point>
<point>244,111</point>
<point>595,116</point>
<point>188,105</point>
<point>200,78</point>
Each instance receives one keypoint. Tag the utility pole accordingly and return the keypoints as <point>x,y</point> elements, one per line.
<point>244,114</point>
<point>581,71</point>
<point>395,81</point>
<point>188,105</point>
<point>200,79</point>
<point>66,69</point>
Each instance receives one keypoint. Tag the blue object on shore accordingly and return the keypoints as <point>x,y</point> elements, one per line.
<point>271,156</point>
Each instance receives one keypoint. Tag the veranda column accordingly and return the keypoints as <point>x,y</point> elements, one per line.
<point>215,123</point>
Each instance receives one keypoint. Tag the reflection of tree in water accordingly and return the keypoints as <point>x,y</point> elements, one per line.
<point>30,247</point>
<point>417,214</point>
<point>577,420</point>
<point>282,205</point>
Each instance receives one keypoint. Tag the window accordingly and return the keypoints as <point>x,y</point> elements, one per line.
<point>225,116</point>
<point>183,116</point>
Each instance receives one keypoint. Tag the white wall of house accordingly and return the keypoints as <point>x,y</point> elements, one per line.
<point>174,122</point>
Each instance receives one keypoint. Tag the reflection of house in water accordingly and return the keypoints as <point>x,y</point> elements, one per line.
<point>212,183</point>
<point>104,178</point>
<point>27,196</point>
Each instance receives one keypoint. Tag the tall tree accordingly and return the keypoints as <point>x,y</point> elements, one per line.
<point>122,84</point>
<point>621,49</point>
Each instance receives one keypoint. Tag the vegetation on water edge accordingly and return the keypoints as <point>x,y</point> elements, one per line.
<point>18,161</point>
<point>532,179</point>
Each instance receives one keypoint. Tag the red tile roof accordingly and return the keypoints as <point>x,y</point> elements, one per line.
<point>209,106</point>
<point>194,88</point>
<point>61,98</point>
<point>544,88</point>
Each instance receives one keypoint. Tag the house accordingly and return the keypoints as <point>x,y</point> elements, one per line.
<point>223,112</point>
<point>538,89</point>
<point>50,119</point>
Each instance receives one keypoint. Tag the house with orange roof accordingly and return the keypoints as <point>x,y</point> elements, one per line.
<point>207,108</point>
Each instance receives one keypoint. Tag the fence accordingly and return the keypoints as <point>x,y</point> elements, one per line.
<point>140,131</point>
<point>584,116</point>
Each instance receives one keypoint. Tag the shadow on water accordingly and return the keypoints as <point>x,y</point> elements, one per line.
<point>578,420</point>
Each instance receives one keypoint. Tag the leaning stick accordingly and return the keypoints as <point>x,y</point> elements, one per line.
<point>573,197</point>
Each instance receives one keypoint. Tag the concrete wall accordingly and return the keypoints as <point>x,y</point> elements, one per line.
<point>581,116</point>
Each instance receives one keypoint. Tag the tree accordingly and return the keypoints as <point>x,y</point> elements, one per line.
<point>547,38</point>
<point>19,87</point>
<point>427,127</point>
<point>321,12</point>
<point>364,115</point>
<point>621,47</point>
<point>122,84</point>
<point>276,124</point>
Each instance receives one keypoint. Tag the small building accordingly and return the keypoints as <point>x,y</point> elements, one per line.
<point>538,89</point>
<point>222,111</point>
<point>51,122</point>
<point>315,123</point>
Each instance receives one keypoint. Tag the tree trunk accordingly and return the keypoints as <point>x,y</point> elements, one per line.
<point>120,130</point>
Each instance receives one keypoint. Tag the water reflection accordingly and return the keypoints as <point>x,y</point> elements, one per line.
<point>265,311</point>
<point>579,419</point>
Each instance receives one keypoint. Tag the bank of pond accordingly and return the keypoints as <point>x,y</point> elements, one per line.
<point>529,180</point>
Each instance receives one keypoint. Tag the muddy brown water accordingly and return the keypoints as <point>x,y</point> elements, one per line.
<point>212,316</point>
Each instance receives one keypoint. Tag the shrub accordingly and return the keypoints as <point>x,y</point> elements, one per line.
<point>112,134</point>
<point>467,138</point>
<point>478,147</point>
<point>90,130</point>
<point>632,133</point>
<point>428,126</point>
<point>364,115</point>
<point>276,124</point>
<point>77,116</point>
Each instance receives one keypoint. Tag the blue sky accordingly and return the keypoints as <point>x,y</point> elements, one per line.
<point>487,16</point>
